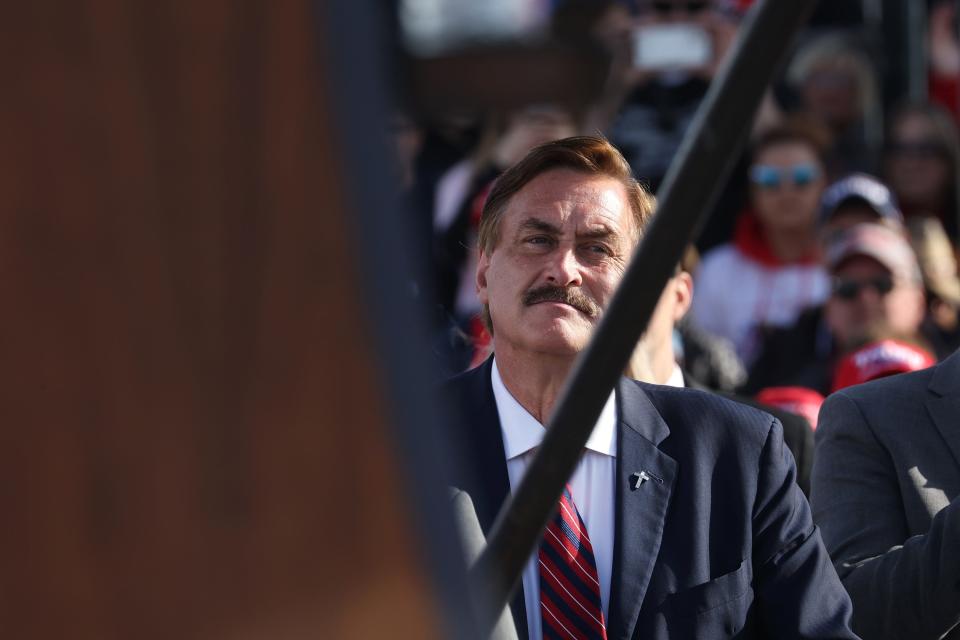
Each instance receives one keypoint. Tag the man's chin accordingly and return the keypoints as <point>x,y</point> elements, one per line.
<point>563,336</point>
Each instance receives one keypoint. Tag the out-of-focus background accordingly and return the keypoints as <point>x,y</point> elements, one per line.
<point>237,249</point>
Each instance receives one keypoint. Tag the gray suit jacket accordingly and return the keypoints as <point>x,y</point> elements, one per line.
<point>473,541</point>
<point>886,494</point>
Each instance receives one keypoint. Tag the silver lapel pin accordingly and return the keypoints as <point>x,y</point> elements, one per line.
<point>639,477</point>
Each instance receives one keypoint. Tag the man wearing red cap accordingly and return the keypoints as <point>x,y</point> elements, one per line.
<point>877,288</point>
<point>876,293</point>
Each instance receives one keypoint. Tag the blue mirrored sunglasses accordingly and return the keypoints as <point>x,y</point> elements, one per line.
<point>770,177</point>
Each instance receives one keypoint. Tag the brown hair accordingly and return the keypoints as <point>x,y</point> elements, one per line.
<point>587,154</point>
<point>946,134</point>
<point>801,128</point>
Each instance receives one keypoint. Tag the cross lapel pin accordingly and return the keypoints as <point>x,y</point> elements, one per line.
<point>639,477</point>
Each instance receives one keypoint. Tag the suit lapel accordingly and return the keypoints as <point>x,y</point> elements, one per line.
<point>640,509</point>
<point>943,402</point>
<point>484,446</point>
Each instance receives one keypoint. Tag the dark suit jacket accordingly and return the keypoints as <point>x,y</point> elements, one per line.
<point>720,545</point>
<point>797,432</point>
<point>886,491</point>
<point>797,435</point>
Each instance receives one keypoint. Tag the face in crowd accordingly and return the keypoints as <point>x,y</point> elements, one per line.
<point>526,128</point>
<point>550,263</point>
<point>870,298</point>
<point>918,164</point>
<point>787,179</point>
<point>832,90</point>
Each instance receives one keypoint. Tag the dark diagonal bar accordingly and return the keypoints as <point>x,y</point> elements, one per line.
<point>696,175</point>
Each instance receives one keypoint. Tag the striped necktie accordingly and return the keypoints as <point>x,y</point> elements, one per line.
<point>569,588</point>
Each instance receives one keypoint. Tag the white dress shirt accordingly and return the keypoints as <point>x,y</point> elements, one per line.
<point>592,487</point>
<point>676,378</point>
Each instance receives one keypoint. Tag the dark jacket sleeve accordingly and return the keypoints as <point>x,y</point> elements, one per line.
<point>798,589</point>
<point>797,435</point>
<point>901,587</point>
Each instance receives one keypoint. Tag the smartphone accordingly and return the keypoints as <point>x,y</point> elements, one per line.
<point>671,46</point>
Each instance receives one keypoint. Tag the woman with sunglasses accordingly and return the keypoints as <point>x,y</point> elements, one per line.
<point>922,163</point>
<point>771,271</point>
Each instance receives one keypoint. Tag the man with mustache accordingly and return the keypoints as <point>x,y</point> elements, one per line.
<point>573,297</point>
<point>682,518</point>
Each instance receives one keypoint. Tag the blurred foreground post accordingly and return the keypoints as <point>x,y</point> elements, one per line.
<point>195,435</point>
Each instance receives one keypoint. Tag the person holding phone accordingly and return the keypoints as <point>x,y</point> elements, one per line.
<point>675,47</point>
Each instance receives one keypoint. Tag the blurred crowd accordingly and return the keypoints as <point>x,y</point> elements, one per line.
<point>829,260</point>
<point>830,257</point>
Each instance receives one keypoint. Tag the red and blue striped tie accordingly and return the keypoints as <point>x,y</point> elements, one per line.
<point>569,588</point>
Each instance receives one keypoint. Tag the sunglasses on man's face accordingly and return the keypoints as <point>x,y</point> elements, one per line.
<point>768,176</point>
<point>848,289</point>
<point>691,6</point>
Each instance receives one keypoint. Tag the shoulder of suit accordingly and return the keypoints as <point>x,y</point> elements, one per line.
<point>703,413</point>
<point>463,380</point>
<point>892,388</point>
<point>462,396</point>
<point>700,397</point>
<point>884,406</point>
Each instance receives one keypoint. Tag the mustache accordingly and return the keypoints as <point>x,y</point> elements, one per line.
<point>572,296</point>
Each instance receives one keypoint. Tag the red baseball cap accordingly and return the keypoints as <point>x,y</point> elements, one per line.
<point>799,400</point>
<point>880,359</point>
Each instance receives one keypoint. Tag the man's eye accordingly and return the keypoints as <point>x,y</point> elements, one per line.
<point>599,249</point>
<point>538,240</point>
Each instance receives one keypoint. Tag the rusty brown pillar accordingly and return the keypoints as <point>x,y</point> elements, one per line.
<point>194,439</point>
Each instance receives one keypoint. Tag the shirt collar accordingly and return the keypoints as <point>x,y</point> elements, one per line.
<point>521,431</point>
<point>676,378</point>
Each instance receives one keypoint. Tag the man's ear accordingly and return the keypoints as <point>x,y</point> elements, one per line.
<point>683,289</point>
<point>483,263</point>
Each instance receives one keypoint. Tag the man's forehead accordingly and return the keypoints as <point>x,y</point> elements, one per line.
<point>588,225</point>
<point>559,193</point>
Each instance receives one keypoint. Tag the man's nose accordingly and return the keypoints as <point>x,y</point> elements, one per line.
<point>869,295</point>
<point>564,268</point>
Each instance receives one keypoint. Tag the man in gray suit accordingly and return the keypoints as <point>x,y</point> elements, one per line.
<point>886,494</point>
